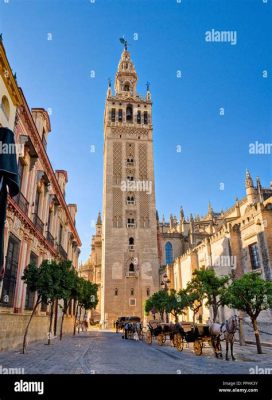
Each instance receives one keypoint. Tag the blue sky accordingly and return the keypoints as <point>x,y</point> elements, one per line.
<point>171,37</point>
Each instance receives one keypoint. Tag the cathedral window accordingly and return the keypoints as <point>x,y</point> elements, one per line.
<point>145,117</point>
<point>168,253</point>
<point>113,115</point>
<point>126,87</point>
<point>148,291</point>
<point>131,292</point>
<point>130,178</point>
<point>120,115</point>
<point>129,113</point>
<point>115,292</point>
<point>138,117</point>
<point>131,267</point>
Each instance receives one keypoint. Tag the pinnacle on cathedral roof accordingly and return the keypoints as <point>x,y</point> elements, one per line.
<point>99,220</point>
<point>249,181</point>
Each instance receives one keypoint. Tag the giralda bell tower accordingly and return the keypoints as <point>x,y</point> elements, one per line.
<point>130,266</point>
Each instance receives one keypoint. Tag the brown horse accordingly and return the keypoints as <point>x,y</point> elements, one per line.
<point>225,331</point>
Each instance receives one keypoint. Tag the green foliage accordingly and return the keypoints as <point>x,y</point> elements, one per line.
<point>157,301</point>
<point>250,293</point>
<point>87,294</point>
<point>31,277</point>
<point>177,302</point>
<point>207,285</point>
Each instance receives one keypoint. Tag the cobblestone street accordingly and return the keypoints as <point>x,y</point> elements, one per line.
<point>100,352</point>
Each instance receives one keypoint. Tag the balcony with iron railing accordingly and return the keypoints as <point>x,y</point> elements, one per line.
<point>131,202</point>
<point>131,225</point>
<point>22,202</point>
<point>39,225</point>
<point>50,238</point>
<point>62,252</point>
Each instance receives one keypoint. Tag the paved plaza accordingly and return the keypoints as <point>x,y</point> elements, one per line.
<point>105,352</point>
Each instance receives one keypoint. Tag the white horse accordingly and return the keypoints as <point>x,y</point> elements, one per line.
<point>225,331</point>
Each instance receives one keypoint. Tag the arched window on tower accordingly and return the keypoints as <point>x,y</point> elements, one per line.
<point>115,292</point>
<point>120,115</point>
<point>113,115</point>
<point>168,253</point>
<point>130,200</point>
<point>131,292</point>
<point>145,117</point>
<point>131,267</point>
<point>126,87</point>
<point>131,244</point>
<point>129,113</point>
<point>138,117</point>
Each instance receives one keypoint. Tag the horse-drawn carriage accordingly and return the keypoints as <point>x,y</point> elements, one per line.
<point>131,326</point>
<point>198,334</point>
<point>179,334</point>
<point>201,335</point>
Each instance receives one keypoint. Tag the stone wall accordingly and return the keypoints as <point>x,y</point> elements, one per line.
<point>12,329</point>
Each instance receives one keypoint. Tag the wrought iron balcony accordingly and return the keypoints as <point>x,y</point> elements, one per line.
<point>62,252</point>
<point>131,225</point>
<point>22,202</point>
<point>39,225</point>
<point>50,238</point>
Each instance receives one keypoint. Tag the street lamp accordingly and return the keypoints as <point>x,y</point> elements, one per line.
<point>165,286</point>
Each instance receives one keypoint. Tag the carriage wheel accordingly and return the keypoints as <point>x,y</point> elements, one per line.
<point>160,339</point>
<point>148,337</point>
<point>197,347</point>
<point>179,342</point>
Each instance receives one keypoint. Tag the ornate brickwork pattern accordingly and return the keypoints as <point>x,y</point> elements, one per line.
<point>117,160</point>
<point>130,150</point>
<point>117,208</point>
<point>142,161</point>
<point>144,209</point>
<point>128,131</point>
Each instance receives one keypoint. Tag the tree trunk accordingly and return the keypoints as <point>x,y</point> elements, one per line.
<point>257,335</point>
<point>215,309</point>
<point>64,311</point>
<point>241,329</point>
<point>75,319</point>
<point>80,309</point>
<point>28,324</point>
<point>51,321</point>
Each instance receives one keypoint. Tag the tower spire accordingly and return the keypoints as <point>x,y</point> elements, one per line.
<point>126,77</point>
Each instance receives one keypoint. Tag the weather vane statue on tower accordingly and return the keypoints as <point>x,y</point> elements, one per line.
<point>124,42</point>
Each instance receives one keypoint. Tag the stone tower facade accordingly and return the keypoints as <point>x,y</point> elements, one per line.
<point>130,265</point>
